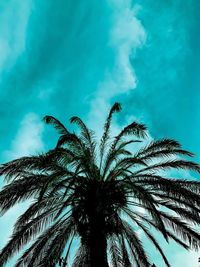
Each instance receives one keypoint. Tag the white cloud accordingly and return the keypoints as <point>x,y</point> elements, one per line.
<point>28,139</point>
<point>14,17</point>
<point>126,35</point>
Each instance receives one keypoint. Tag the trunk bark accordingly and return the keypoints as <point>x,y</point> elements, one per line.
<point>98,250</point>
<point>96,244</point>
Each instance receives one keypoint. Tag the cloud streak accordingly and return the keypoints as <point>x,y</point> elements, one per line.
<point>127,34</point>
<point>13,37</point>
<point>28,139</point>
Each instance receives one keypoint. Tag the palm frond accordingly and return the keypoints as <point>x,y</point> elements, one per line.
<point>115,108</point>
<point>57,124</point>
<point>82,257</point>
<point>158,145</point>
<point>114,155</point>
<point>150,237</point>
<point>87,135</point>
<point>150,222</point>
<point>136,245</point>
<point>116,257</point>
<point>172,164</point>
<point>182,229</point>
<point>124,252</point>
<point>25,234</point>
<point>37,209</point>
<point>57,245</point>
<point>149,203</point>
<point>167,153</point>
<point>35,251</point>
<point>20,190</point>
<point>135,129</point>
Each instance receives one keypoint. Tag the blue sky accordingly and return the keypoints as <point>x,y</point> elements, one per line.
<point>70,57</point>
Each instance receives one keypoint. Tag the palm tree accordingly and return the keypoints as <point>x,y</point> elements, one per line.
<point>92,195</point>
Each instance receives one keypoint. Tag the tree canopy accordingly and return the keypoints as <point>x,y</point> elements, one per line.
<point>100,193</point>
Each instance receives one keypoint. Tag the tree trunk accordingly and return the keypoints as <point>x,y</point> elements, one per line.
<point>97,245</point>
<point>98,250</point>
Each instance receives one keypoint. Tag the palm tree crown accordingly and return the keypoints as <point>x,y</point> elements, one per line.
<point>94,193</point>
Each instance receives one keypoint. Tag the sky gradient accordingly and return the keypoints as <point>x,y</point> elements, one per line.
<point>67,57</point>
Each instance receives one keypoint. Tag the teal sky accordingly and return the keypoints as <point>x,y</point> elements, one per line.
<point>69,57</point>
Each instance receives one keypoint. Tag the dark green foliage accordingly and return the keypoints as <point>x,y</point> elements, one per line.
<point>92,192</point>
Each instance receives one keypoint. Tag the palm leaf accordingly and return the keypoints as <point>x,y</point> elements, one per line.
<point>115,108</point>
<point>57,124</point>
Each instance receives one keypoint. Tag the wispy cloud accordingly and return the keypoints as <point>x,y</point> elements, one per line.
<point>28,139</point>
<point>126,35</point>
<point>13,36</point>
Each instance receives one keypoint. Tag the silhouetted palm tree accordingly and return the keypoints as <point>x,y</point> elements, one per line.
<point>94,193</point>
